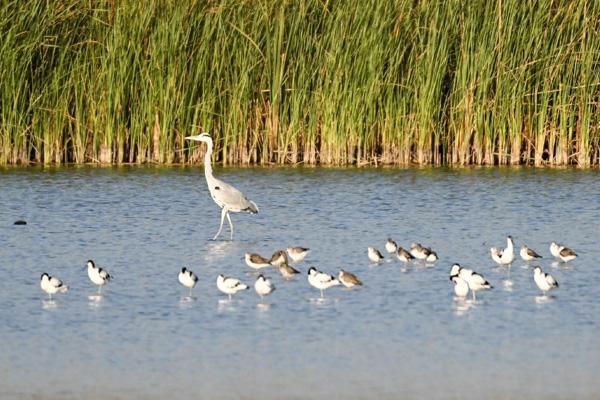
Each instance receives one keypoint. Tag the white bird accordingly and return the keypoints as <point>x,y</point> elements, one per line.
<point>296,253</point>
<point>226,196</point>
<point>496,255</point>
<point>187,278</point>
<point>374,254</point>
<point>52,285</point>
<point>391,246</point>
<point>263,286</point>
<point>230,286</point>
<point>404,255</point>
<point>287,271</point>
<point>321,280</point>
<point>504,256</point>
<point>555,249</point>
<point>256,261</point>
<point>543,280</point>
<point>475,280</point>
<point>97,275</point>
<point>562,252</point>
<point>348,279</point>
<point>461,287</point>
<point>279,258</point>
<point>423,253</point>
<point>455,270</point>
<point>528,254</point>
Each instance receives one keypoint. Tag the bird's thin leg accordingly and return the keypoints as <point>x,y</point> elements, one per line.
<point>473,292</point>
<point>321,293</point>
<point>223,212</point>
<point>230,225</point>
<point>190,292</point>
<point>229,297</point>
<point>99,289</point>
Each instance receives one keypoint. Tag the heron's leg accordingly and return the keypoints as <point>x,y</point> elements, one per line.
<point>223,212</point>
<point>230,225</point>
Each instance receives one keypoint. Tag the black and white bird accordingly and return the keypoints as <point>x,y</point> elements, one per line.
<point>562,252</point>
<point>187,278</point>
<point>543,280</point>
<point>321,280</point>
<point>348,279</point>
<point>504,256</point>
<point>528,254</point>
<point>287,271</point>
<point>374,255</point>
<point>461,287</point>
<point>423,253</point>
<point>263,286</point>
<point>230,286</point>
<point>279,258</point>
<point>404,255</point>
<point>52,285</point>
<point>391,246</point>
<point>97,275</point>
<point>297,253</point>
<point>475,280</point>
<point>255,261</point>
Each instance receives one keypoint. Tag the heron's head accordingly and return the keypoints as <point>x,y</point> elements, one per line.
<point>203,137</point>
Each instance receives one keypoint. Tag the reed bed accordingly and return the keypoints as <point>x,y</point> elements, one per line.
<point>315,82</point>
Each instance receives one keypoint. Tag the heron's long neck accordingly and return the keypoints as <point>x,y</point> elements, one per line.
<point>207,161</point>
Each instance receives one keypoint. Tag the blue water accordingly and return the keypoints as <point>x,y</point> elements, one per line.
<point>402,335</point>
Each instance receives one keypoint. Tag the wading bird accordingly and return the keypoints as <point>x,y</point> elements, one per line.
<point>543,280</point>
<point>226,196</point>
<point>51,285</point>
<point>321,280</point>
<point>97,275</point>
<point>187,278</point>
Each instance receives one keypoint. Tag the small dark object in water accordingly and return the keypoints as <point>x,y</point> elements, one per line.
<point>20,222</point>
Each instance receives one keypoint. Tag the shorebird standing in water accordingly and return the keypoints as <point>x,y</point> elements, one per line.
<point>475,281</point>
<point>97,275</point>
<point>226,196</point>
<point>187,278</point>
<point>255,261</point>
<point>321,280</point>
<point>52,285</point>
<point>263,286</point>
<point>374,255</point>
<point>543,280</point>
<point>230,286</point>
<point>562,252</point>
<point>348,279</point>
<point>461,287</point>
<point>297,253</point>
<point>404,255</point>
<point>423,253</point>
<point>391,246</point>
<point>528,254</point>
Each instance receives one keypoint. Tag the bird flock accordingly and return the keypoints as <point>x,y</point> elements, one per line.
<point>465,280</point>
<point>225,284</point>
<point>230,199</point>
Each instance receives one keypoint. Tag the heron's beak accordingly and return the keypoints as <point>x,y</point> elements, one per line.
<point>190,137</point>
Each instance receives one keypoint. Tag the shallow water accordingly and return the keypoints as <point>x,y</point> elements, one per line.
<point>402,335</point>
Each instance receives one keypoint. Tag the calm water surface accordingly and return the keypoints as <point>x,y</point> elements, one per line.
<point>402,335</point>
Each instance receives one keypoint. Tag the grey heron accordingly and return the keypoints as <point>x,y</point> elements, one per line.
<point>226,196</point>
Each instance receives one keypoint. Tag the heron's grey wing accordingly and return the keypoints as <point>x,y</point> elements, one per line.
<point>227,196</point>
